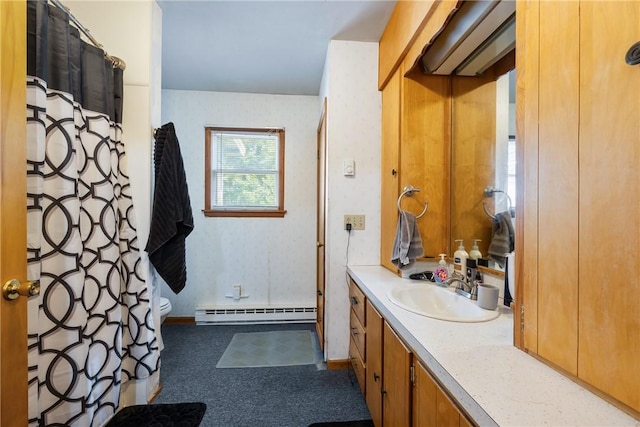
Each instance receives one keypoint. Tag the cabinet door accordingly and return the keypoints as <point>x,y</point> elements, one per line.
<point>374,364</point>
<point>446,413</point>
<point>431,405</point>
<point>609,294</point>
<point>396,394</point>
<point>558,183</point>
<point>424,398</point>
<point>389,167</point>
<point>581,174</point>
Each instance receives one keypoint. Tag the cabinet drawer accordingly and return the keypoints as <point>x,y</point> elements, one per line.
<point>357,301</point>
<point>357,364</point>
<point>358,335</point>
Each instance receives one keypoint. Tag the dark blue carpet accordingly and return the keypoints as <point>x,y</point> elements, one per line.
<point>288,396</point>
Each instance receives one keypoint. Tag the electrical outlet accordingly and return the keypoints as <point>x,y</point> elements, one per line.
<point>356,221</point>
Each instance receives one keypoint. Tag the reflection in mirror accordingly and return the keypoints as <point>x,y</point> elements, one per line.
<point>483,156</point>
<point>505,141</point>
<point>504,199</point>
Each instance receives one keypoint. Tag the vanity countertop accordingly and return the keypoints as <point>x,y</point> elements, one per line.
<point>493,381</point>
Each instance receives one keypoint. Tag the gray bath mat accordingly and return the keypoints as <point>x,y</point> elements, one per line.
<point>276,348</point>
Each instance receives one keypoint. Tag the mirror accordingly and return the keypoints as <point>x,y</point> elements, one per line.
<point>482,154</point>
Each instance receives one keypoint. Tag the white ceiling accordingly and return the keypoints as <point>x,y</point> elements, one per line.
<point>275,47</point>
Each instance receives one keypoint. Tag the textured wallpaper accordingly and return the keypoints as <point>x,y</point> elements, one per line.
<point>273,259</point>
<point>354,113</point>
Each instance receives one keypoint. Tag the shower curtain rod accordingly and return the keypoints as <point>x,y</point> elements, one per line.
<point>117,62</point>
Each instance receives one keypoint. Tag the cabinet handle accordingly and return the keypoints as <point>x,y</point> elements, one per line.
<point>633,54</point>
<point>394,172</point>
<point>376,377</point>
<point>319,292</point>
<point>383,392</point>
<point>354,301</point>
<point>354,331</point>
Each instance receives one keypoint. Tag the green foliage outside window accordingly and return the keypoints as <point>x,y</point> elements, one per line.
<point>244,169</point>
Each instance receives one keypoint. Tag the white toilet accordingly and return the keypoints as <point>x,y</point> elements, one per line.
<point>165,308</point>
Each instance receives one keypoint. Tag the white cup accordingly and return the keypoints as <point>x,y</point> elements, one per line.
<point>488,296</point>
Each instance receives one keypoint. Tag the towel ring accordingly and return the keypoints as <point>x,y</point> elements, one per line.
<point>490,192</point>
<point>408,191</point>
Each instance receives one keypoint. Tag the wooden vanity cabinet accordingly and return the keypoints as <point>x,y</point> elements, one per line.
<point>431,405</point>
<point>357,322</point>
<point>398,390</point>
<point>373,382</point>
<point>396,381</point>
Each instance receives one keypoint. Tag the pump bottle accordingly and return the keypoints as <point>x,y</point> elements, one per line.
<point>475,253</point>
<point>460,259</point>
<point>441,273</point>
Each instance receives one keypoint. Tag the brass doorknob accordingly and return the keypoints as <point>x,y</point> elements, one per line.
<point>13,288</point>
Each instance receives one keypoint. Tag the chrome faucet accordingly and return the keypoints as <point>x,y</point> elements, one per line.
<point>467,290</point>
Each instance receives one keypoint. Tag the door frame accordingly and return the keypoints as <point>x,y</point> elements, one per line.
<point>14,400</point>
<point>320,225</point>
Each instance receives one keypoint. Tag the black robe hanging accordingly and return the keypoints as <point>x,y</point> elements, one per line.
<point>171,219</point>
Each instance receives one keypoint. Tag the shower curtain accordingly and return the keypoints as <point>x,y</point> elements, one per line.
<point>91,329</point>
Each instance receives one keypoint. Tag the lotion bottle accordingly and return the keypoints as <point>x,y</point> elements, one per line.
<point>460,259</point>
<point>441,273</point>
<point>475,253</point>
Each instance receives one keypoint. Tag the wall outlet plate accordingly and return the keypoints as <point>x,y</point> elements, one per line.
<point>356,221</point>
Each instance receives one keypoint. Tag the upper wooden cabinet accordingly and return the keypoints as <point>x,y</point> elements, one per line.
<point>390,167</point>
<point>416,134</point>
<point>580,130</point>
<point>412,25</point>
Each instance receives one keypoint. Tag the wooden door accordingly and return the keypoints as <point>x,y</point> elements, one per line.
<point>396,394</point>
<point>13,215</point>
<point>373,346</point>
<point>389,167</point>
<point>320,226</point>
<point>609,201</point>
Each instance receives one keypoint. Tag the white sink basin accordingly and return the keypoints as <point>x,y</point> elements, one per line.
<point>438,303</point>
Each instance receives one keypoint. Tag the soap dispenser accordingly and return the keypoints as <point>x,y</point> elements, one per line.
<point>460,259</point>
<point>441,274</point>
<point>475,253</point>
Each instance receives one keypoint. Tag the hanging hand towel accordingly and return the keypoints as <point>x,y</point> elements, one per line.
<point>502,238</point>
<point>408,244</point>
<point>171,220</point>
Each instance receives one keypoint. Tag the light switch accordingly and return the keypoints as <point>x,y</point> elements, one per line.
<point>349,167</point>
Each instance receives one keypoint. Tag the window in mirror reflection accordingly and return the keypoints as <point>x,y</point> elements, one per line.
<point>511,158</point>
<point>511,170</point>
<point>505,171</point>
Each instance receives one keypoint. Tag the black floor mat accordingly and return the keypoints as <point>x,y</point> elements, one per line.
<point>165,415</point>
<point>361,423</point>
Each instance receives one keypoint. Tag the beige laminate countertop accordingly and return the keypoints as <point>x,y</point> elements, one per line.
<point>493,381</point>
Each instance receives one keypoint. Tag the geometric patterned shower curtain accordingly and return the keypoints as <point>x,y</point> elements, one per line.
<point>91,328</point>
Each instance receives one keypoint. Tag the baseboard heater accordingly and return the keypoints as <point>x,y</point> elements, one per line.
<point>253,315</point>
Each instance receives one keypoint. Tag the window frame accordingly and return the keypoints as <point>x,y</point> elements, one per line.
<point>214,211</point>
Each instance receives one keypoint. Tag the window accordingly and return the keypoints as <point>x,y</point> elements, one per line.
<point>244,172</point>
